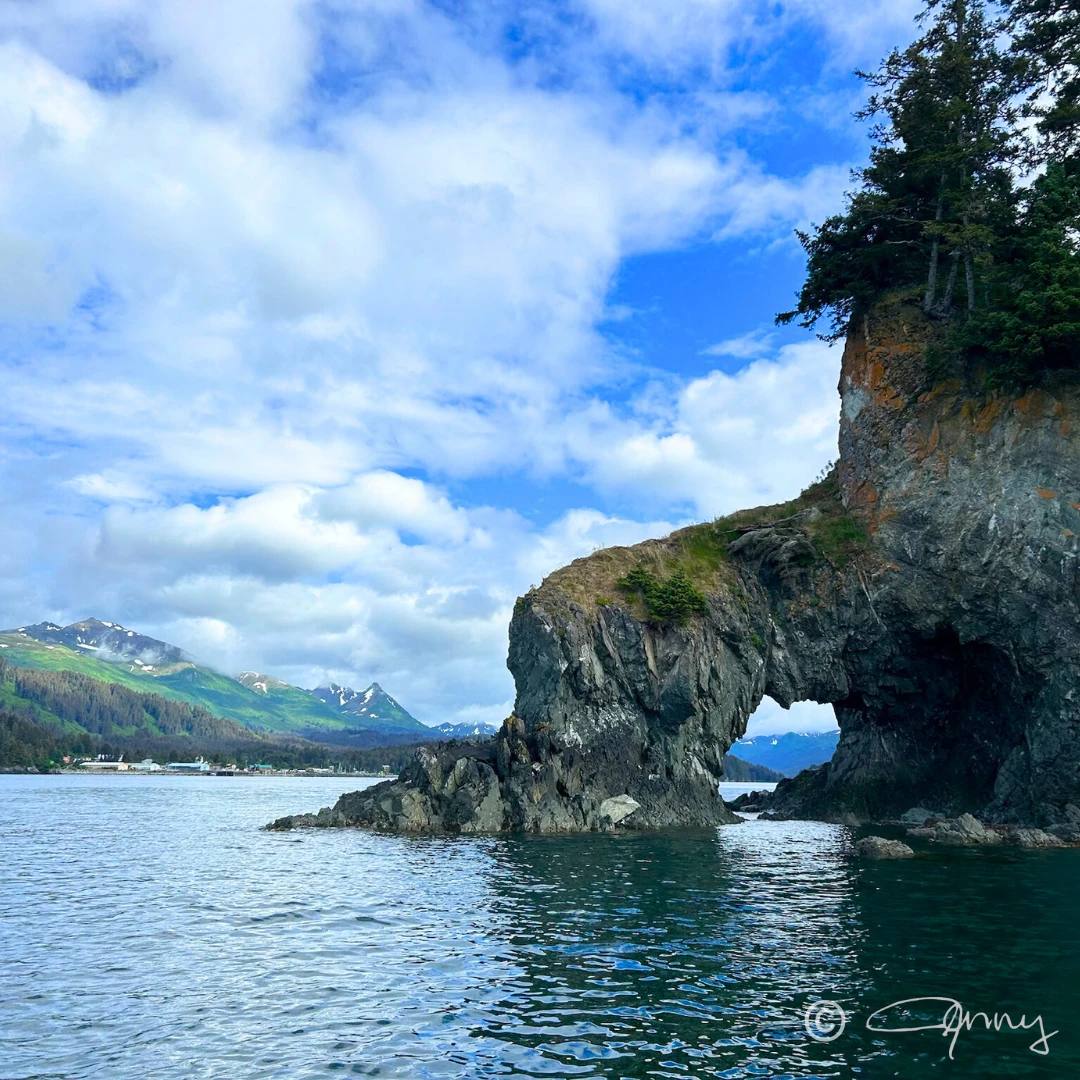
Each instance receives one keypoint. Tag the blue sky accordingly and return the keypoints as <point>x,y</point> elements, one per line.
<point>329,328</point>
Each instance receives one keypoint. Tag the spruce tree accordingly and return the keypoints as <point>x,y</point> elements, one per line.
<point>938,190</point>
<point>1046,48</point>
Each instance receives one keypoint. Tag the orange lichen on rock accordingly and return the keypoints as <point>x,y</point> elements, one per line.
<point>985,417</point>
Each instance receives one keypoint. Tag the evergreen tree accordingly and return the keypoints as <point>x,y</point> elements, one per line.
<point>1046,48</point>
<point>938,191</point>
<point>1034,322</point>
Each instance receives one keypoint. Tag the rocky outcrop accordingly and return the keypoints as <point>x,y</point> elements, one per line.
<point>967,831</point>
<point>520,781</point>
<point>928,589</point>
<point>878,847</point>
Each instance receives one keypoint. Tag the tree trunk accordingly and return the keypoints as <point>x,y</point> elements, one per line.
<point>931,282</point>
<point>969,269</point>
<point>946,303</point>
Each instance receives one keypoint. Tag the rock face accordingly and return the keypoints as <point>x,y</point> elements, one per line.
<point>928,589</point>
<point>973,504</point>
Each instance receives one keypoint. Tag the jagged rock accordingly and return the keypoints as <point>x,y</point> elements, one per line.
<point>918,815</point>
<point>878,847</point>
<point>967,830</point>
<point>1032,838</point>
<point>518,781</point>
<point>1067,834</point>
<point>928,588</point>
<point>326,818</point>
<point>750,802</point>
<point>947,639</point>
<point>963,830</point>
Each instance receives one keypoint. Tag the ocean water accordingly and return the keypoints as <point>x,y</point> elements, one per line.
<point>149,929</point>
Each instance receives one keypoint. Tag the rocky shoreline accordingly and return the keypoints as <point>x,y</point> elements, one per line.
<point>519,781</point>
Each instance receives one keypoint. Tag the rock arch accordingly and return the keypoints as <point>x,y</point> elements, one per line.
<point>928,588</point>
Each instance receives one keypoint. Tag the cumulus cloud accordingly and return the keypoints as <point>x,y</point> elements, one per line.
<point>744,347</point>
<point>279,275</point>
<point>754,436</point>
<point>385,576</point>
<point>772,719</point>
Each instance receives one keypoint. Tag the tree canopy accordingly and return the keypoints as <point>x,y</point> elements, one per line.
<point>970,201</point>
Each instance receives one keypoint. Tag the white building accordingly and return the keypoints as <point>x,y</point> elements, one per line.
<point>199,766</point>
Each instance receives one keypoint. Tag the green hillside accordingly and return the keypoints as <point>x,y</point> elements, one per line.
<point>49,715</point>
<point>280,710</point>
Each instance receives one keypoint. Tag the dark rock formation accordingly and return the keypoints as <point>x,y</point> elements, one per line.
<point>928,589</point>
<point>523,781</point>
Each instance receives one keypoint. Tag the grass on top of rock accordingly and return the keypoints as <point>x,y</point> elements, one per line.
<point>671,599</point>
<point>818,510</point>
<point>698,556</point>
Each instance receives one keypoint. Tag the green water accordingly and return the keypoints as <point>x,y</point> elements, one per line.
<point>148,928</point>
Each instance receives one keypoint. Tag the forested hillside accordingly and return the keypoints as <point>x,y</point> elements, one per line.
<point>45,715</point>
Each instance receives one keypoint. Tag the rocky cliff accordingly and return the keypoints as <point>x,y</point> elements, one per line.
<point>927,588</point>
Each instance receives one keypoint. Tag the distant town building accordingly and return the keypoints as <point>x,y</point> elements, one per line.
<point>100,764</point>
<point>146,765</point>
<point>199,766</point>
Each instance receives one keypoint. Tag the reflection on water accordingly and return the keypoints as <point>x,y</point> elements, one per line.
<point>148,928</point>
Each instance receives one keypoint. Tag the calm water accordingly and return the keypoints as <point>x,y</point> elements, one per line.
<point>149,929</point>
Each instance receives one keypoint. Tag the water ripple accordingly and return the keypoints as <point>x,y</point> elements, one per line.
<point>148,928</point>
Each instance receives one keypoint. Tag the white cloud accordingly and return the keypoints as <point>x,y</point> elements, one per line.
<point>756,436</point>
<point>744,347</point>
<point>284,579</point>
<point>771,719</point>
<point>109,487</point>
<point>680,33</point>
<point>252,306</point>
<point>763,203</point>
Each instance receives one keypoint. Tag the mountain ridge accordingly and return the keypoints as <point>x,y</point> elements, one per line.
<point>112,653</point>
<point>789,752</point>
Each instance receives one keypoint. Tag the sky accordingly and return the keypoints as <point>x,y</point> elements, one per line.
<point>328,328</point>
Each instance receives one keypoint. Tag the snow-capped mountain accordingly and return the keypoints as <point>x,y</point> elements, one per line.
<point>790,752</point>
<point>261,684</point>
<point>370,707</point>
<point>107,641</point>
<point>467,731</point>
<point>112,653</point>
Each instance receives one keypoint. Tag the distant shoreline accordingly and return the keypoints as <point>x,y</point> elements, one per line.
<point>217,775</point>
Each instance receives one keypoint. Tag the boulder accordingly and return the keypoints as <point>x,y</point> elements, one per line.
<point>878,847</point>
<point>1032,838</point>
<point>618,807</point>
<point>965,830</point>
